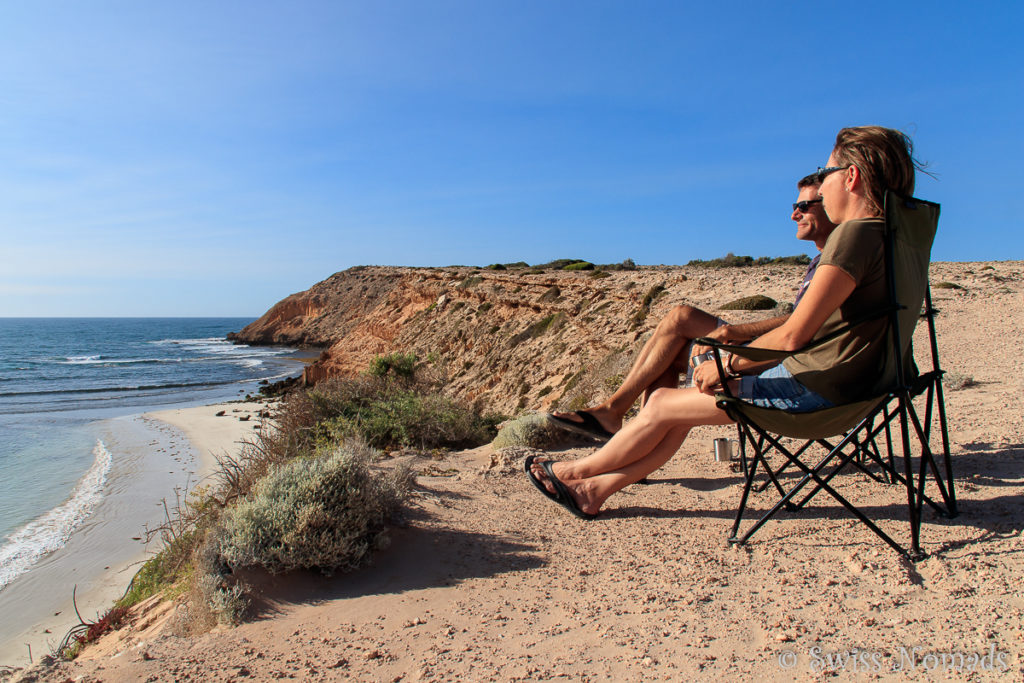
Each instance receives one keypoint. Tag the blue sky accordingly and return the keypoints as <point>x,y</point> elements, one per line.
<point>210,158</point>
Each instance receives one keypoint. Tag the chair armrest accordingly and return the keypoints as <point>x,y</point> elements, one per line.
<point>748,352</point>
<point>758,355</point>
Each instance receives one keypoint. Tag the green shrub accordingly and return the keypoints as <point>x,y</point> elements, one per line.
<point>757,302</point>
<point>326,512</point>
<point>628,264</point>
<point>731,260</point>
<point>547,324</point>
<point>579,265</point>
<point>559,264</point>
<point>531,430</point>
<point>645,305</point>
<point>469,282</point>
<point>496,266</point>
<point>388,414</point>
<point>398,364</point>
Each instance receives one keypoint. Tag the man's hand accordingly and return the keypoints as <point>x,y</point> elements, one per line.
<point>723,333</point>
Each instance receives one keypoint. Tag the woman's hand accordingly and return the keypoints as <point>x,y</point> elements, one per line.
<point>706,378</point>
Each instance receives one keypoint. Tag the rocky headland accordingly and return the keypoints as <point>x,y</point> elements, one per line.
<point>508,339</point>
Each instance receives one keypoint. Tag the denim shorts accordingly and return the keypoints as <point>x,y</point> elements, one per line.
<point>776,388</point>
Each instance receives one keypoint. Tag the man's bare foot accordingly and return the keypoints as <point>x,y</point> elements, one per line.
<point>609,421</point>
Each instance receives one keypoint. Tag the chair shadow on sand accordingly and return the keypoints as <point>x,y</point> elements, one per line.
<point>981,469</point>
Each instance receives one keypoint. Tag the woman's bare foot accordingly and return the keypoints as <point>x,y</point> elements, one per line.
<point>581,490</point>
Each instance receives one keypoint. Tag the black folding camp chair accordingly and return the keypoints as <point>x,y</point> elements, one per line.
<point>850,433</point>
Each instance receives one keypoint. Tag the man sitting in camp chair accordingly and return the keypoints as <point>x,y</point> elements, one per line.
<point>865,163</point>
<point>666,355</point>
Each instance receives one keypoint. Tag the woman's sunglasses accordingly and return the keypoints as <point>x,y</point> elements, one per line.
<point>806,204</point>
<point>825,171</point>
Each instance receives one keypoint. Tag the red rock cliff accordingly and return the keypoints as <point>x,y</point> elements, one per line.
<point>509,339</point>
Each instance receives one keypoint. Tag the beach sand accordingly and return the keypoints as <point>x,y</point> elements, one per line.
<point>153,454</point>
<point>487,580</point>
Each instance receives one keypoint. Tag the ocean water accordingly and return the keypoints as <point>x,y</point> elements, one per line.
<point>61,380</point>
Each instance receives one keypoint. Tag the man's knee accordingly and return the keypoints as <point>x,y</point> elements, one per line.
<point>681,318</point>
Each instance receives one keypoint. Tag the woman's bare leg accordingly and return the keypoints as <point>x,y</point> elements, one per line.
<point>639,448</point>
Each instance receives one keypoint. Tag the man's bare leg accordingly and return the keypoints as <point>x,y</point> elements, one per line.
<point>658,364</point>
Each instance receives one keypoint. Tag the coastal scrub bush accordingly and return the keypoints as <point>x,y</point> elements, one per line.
<point>400,364</point>
<point>325,512</point>
<point>645,304</point>
<point>559,264</point>
<point>731,260</point>
<point>757,302</point>
<point>469,282</point>
<point>579,265</point>
<point>386,413</point>
<point>532,430</point>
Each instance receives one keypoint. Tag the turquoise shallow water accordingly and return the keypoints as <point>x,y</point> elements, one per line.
<point>61,378</point>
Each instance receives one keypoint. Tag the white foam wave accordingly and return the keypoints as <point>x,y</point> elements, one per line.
<point>49,532</point>
<point>104,360</point>
<point>250,362</point>
<point>217,346</point>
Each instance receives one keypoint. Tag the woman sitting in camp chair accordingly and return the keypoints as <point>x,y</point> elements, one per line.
<point>849,283</point>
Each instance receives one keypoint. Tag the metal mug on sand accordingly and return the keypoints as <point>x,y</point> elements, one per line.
<point>724,451</point>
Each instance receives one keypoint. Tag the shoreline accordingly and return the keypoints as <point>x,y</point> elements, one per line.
<point>155,453</point>
<point>210,434</point>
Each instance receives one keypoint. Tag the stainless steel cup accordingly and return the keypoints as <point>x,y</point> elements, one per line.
<point>724,451</point>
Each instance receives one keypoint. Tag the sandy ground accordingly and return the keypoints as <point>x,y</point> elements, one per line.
<point>489,581</point>
<point>214,435</point>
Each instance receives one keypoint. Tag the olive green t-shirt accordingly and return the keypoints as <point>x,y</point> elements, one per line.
<point>847,368</point>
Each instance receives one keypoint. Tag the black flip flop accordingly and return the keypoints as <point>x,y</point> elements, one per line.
<point>590,426</point>
<point>564,497</point>
<point>530,459</point>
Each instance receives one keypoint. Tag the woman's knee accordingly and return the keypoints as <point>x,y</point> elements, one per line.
<point>657,405</point>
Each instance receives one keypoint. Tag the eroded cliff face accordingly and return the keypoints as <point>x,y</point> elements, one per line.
<point>508,339</point>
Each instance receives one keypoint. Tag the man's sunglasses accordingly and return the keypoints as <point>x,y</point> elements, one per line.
<point>825,171</point>
<point>806,204</point>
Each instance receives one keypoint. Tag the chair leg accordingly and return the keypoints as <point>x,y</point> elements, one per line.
<point>912,509</point>
<point>809,475</point>
<point>944,432</point>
